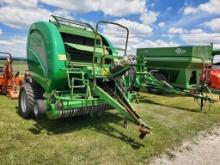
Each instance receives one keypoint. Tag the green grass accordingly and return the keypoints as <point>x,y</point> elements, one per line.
<point>103,140</point>
<point>19,66</point>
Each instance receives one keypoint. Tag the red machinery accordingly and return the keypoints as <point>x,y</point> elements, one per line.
<point>211,73</point>
<point>8,81</point>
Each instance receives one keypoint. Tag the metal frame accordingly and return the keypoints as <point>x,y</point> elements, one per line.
<point>10,56</point>
<point>59,21</point>
<point>95,42</point>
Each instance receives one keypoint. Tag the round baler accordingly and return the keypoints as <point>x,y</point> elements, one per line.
<point>72,71</point>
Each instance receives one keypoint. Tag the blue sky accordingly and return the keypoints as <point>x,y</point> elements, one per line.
<point>152,23</point>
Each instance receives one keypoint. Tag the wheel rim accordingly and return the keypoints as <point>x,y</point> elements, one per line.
<point>35,110</point>
<point>23,102</point>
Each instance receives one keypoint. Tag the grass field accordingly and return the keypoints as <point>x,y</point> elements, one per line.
<point>19,66</point>
<point>101,140</point>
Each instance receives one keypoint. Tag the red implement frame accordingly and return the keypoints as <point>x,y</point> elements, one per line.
<point>8,82</point>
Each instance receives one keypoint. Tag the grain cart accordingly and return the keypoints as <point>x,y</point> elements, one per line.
<point>72,72</point>
<point>172,70</point>
<point>8,81</point>
<point>180,66</point>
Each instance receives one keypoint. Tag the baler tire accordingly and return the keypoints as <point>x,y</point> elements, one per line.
<point>26,100</point>
<point>39,109</point>
<point>38,91</point>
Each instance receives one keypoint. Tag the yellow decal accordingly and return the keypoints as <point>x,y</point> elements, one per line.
<point>62,57</point>
<point>105,72</point>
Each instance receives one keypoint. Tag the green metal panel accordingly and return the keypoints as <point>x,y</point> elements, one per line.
<point>178,64</point>
<point>45,54</point>
<point>101,93</point>
<point>215,52</point>
<point>73,65</point>
<point>53,112</point>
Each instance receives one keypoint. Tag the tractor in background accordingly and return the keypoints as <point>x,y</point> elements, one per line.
<point>211,73</point>
<point>9,82</point>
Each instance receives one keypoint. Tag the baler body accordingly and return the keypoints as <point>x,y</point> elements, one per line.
<point>72,71</point>
<point>52,50</point>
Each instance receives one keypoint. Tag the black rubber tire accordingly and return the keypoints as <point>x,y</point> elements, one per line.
<point>26,100</point>
<point>40,109</point>
<point>160,77</point>
<point>38,91</point>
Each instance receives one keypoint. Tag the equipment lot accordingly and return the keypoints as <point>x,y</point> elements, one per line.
<point>102,140</point>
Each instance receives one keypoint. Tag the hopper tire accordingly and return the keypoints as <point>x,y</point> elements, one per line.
<point>160,77</point>
<point>26,100</point>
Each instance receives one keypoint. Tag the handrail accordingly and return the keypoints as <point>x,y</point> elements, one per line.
<point>96,34</point>
<point>59,21</point>
<point>117,24</point>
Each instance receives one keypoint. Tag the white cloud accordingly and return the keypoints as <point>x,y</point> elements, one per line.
<point>110,7</point>
<point>16,46</point>
<point>214,24</point>
<point>117,36</point>
<point>161,24</point>
<point>21,13</point>
<point>175,30</point>
<point>135,28</point>
<point>196,31</point>
<point>21,3</point>
<point>211,7</point>
<point>122,7</point>
<point>195,36</point>
<point>216,46</point>
<point>135,43</point>
<point>201,38</point>
<point>64,14</point>
<point>18,17</point>
<point>149,17</point>
<point>189,10</point>
<point>137,37</point>
<point>1,32</point>
<point>74,5</point>
<point>156,43</point>
<point>5,42</point>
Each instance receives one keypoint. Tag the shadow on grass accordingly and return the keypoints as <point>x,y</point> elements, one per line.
<point>98,124</point>
<point>143,99</point>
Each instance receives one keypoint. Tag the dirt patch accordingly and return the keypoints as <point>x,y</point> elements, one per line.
<point>202,150</point>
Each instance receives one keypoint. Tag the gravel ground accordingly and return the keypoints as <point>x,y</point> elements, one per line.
<point>202,150</point>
